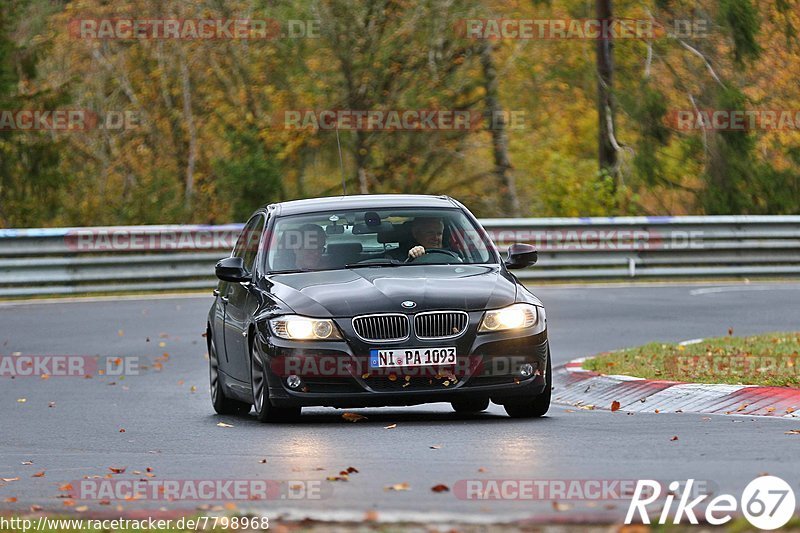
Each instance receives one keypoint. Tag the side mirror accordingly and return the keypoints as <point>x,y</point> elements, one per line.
<point>521,256</point>
<point>232,269</point>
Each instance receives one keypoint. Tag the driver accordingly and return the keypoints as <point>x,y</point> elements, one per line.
<point>427,232</point>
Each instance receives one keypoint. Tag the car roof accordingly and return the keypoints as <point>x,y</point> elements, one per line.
<point>361,201</point>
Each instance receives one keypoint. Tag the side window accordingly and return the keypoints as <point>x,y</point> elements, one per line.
<point>247,245</point>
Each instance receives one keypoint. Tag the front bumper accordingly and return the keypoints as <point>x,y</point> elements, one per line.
<point>337,373</point>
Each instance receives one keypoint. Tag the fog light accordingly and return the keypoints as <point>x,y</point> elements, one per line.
<point>526,370</point>
<point>294,382</point>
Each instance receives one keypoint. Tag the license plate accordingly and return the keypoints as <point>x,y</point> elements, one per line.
<point>403,357</point>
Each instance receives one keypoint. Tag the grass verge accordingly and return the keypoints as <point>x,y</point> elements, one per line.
<point>772,359</point>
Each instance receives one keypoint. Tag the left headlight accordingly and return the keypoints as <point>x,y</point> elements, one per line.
<point>516,316</point>
<point>300,328</point>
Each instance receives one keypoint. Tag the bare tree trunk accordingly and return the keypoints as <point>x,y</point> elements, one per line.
<point>607,154</point>
<point>361,162</point>
<point>191,130</point>
<point>509,200</point>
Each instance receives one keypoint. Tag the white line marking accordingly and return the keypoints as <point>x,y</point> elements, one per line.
<point>94,299</point>
<point>690,341</point>
<point>715,290</point>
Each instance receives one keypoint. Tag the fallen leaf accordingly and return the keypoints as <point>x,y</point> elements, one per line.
<point>193,389</point>
<point>792,432</point>
<point>657,411</point>
<point>440,488</point>
<point>482,469</point>
<point>398,486</point>
<point>51,404</point>
<point>353,417</point>
<point>789,410</point>
<point>352,470</point>
<point>10,500</point>
<point>35,508</point>
<point>38,474</point>
<point>557,506</point>
<point>371,516</point>
<point>9,479</point>
<point>104,502</point>
<point>162,344</point>
<point>615,405</point>
<point>263,461</point>
<point>675,437</point>
<point>435,447</point>
<point>120,332</point>
<point>390,426</point>
<point>770,409</point>
<point>66,487</point>
<point>224,425</point>
<point>122,430</point>
<point>22,400</point>
<point>116,470</point>
<point>148,469</point>
<point>337,478</point>
<point>82,509</point>
<point>26,463</point>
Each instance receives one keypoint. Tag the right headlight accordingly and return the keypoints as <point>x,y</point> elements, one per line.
<point>301,328</point>
<point>513,317</point>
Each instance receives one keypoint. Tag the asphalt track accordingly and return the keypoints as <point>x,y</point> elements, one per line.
<point>170,426</point>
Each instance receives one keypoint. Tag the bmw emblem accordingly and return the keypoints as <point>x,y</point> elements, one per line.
<point>408,304</point>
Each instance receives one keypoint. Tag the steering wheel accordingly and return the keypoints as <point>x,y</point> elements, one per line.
<point>436,251</point>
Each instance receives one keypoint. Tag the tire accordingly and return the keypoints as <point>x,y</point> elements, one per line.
<point>533,407</point>
<point>265,411</point>
<point>221,403</point>
<point>471,405</point>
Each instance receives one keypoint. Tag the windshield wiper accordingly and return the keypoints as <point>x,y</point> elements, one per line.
<point>386,263</point>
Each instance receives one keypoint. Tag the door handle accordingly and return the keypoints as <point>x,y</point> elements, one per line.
<point>216,292</point>
<point>224,299</point>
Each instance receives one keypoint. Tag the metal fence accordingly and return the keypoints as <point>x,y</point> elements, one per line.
<point>152,258</point>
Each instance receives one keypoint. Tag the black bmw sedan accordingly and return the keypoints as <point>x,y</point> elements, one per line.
<point>374,300</point>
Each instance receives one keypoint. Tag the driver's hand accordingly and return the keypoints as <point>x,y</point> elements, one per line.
<point>417,251</point>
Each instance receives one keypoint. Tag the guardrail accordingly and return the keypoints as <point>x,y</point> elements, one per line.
<point>152,258</point>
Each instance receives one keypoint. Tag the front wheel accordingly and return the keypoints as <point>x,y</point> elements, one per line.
<point>533,407</point>
<point>265,411</point>
<point>221,403</point>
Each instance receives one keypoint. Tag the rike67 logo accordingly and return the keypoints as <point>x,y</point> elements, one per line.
<point>767,502</point>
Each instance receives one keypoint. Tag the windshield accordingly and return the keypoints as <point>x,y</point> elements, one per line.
<point>376,238</point>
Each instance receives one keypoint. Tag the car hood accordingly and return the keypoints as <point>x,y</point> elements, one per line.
<point>345,293</point>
